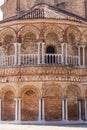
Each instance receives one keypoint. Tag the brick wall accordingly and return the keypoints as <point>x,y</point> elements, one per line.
<point>29,106</point>
<point>75,6</point>
<point>8,106</point>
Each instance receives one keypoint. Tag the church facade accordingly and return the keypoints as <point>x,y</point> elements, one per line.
<point>43,61</point>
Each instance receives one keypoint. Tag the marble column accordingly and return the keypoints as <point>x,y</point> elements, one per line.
<point>66,108</point>
<point>66,52</point>
<point>18,109</point>
<point>85,108</point>
<point>43,62</point>
<point>62,49</point>
<point>79,49</point>
<point>15,54</point>
<point>39,53</point>
<point>19,53</point>
<point>43,110</point>
<point>0,108</point>
<point>80,113</point>
<point>63,109</point>
<point>83,47</point>
<point>39,117</point>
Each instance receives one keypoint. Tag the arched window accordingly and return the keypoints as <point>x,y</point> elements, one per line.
<point>50,57</point>
<point>50,50</point>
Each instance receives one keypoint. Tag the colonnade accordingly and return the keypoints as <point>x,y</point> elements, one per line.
<point>41,109</point>
<point>63,55</point>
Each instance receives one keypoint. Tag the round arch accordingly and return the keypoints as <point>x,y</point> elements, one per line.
<point>75,31</point>
<point>29,87</point>
<point>56,29</point>
<point>53,103</point>
<point>30,104</point>
<point>73,96</point>
<point>7,31</point>
<point>8,103</point>
<point>25,29</point>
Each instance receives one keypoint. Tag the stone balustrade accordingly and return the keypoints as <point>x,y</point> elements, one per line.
<point>42,58</point>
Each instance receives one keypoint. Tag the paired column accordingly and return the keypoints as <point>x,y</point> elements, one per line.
<point>19,52</point>
<point>39,53</point>
<point>83,54</point>
<point>64,52</point>
<point>41,116</point>
<point>43,60</point>
<point>17,56</point>
<point>0,108</point>
<point>83,47</point>
<point>79,61</point>
<point>39,45</point>
<point>64,110</point>
<point>62,49</point>
<point>18,109</point>
<point>80,110</point>
<point>85,109</point>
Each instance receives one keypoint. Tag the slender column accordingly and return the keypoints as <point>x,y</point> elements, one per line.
<point>43,114</point>
<point>18,109</point>
<point>0,108</point>
<point>63,110</point>
<point>19,52</point>
<point>43,62</point>
<point>62,48</point>
<point>19,117</point>
<point>80,117</point>
<point>39,53</point>
<point>83,47</point>
<point>86,109</point>
<point>15,55</point>
<point>66,108</point>
<point>66,52</point>
<point>79,62</point>
<point>39,117</point>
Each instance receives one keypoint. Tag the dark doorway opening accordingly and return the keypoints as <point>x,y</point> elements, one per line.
<point>50,51</point>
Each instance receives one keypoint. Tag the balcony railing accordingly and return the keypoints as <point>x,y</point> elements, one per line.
<point>53,59</point>
<point>29,59</point>
<point>73,60</point>
<point>32,59</point>
<point>39,58</point>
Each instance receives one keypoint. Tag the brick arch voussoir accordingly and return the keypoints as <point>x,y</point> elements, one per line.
<point>74,29</point>
<point>6,89</point>
<point>50,87</point>
<point>83,40</point>
<point>55,29</point>
<point>32,29</point>
<point>74,88</point>
<point>8,31</point>
<point>26,88</point>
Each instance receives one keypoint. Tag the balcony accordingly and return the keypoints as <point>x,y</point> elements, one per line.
<point>40,58</point>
